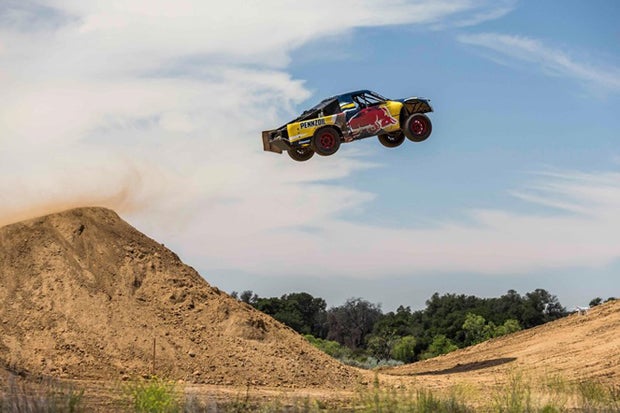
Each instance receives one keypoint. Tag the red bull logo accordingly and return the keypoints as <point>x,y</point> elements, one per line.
<point>370,121</point>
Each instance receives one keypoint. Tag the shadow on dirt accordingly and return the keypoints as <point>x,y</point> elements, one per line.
<point>462,368</point>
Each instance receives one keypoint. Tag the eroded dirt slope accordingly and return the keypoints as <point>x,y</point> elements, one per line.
<point>85,295</point>
<point>577,348</point>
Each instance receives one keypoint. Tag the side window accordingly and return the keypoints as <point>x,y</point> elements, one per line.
<point>332,108</point>
<point>350,108</point>
<point>349,103</point>
<point>360,102</point>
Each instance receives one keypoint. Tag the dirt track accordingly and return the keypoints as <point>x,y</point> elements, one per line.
<point>84,296</point>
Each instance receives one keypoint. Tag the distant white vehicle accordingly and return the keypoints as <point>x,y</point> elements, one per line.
<point>582,310</point>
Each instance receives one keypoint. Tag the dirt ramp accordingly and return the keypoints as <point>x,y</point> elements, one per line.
<point>85,295</point>
<point>580,347</point>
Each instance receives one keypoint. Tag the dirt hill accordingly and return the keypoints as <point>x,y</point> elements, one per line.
<point>576,348</point>
<point>85,295</point>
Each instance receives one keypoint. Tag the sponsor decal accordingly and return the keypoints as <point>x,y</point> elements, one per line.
<point>370,121</point>
<point>312,123</point>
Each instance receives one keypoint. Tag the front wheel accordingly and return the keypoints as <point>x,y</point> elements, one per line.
<point>391,140</point>
<point>418,127</point>
<point>325,141</point>
<point>300,154</point>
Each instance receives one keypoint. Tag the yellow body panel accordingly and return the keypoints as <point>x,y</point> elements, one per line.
<point>306,128</point>
<point>394,109</point>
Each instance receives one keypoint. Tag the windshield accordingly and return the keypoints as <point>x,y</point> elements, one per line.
<point>362,97</point>
<point>369,98</point>
<point>378,96</point>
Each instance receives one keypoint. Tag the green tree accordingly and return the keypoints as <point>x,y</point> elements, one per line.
<point>541,307</point>
<point>404,349</point>
<point>311,312</point>
<point>509,326</point>
<point>300,311</point>
<point>350,323</point>
<point>446,315</point>
<point>399,323</point>
<point>380,346</point>
<point>509,305</point>
<point>333,348</point>
<point>477,329</point>
<point>440,345</point>
<point>595,301</point>
<point>460,319</point>
<point>248,297</point>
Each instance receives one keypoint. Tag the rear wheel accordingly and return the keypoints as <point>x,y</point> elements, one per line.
<point>325,141</point>
<point>418,127</point>
<point>392,140</point>
<point>300,154</point>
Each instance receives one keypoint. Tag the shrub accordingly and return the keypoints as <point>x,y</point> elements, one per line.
<point>516,396</point>
<point>333,348</point>
<point>406,401</point>
<point>509,326</point>
<point>404,349</point>
<point>153,396</point>
<point>595,397</point>
<point>440,345</point>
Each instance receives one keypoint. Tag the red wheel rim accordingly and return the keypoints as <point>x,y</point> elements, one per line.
<point>417,127</point>
<point>327,140</point>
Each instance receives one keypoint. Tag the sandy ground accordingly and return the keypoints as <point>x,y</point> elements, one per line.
<point>87,299</point>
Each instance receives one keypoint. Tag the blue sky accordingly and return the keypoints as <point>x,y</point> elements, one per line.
<point>155,110</point>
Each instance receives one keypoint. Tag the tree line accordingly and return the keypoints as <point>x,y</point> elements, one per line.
<point>359,329</point>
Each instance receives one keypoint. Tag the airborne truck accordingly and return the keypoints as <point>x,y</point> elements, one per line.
<point>349,117</point>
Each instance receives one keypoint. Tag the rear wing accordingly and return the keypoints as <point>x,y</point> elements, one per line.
<point>274,144</point>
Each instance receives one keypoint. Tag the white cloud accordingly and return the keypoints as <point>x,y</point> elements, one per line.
<point>481,12</point>
<point>155,109</point>
<point>584,234</point>
<point>552,61</point>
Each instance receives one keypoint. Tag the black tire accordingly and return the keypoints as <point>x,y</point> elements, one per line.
<point>392,140</point>
<point>418,127</point>
<point>326,141</point>
<point>301,153</point>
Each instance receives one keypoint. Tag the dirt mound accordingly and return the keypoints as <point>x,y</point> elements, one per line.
<point>85,295</point>
<point>577,348</point>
